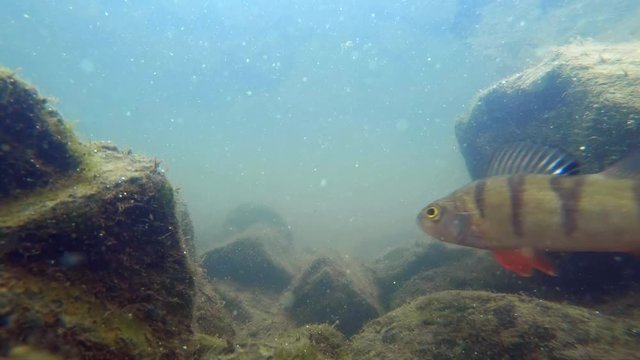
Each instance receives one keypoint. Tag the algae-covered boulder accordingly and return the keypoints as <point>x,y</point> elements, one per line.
<point>94,265</point>
<point>258,257</point>
<point>249,215</point>
<point>211,321</point>
<point>582,99</point>
<point>402,264</point>
<point>105,247</point>
<point>481,325</point>
<point>584,278</point>
<point>313,342</point>
<point>337,293</point>
<point>36,147</point>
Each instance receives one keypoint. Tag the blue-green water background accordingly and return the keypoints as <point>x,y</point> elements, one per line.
<point>338,114</point>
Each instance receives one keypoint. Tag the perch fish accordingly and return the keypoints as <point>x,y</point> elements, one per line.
<point>533,200</point>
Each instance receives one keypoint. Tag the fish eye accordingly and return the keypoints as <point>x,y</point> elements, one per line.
<point>432,212</point>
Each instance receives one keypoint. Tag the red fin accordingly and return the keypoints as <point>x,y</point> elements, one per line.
<point>522,262</point>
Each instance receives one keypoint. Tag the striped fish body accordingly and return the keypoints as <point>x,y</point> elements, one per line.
<point>552,213</point>
<point>533,209</point>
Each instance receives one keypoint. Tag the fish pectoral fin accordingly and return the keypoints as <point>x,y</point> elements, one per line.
<point>523,261</point>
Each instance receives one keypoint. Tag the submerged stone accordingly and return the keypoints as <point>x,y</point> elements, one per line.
<point>257,257</point>
<point>95,264</point>
<point>481,325</point>
<point>334,293</point>
<point>36,146</point>
<point>583,99</point>
<point>251,215</point>
<point>104,243</point>
<point>399,266</point>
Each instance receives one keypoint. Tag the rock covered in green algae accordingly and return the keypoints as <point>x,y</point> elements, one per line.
<point>247,215</point>
<point>36,146</point>
<point>312,342</point>
<point>582,99</point>
<point>581,278</point>
<point>394,269</point>
<point>481,325</point>
<point>95,265</point>
<point>476,271</point>
<point>257,257</point>
<point>110,235</point>
<point>211,321</point>
<point>331,291</point>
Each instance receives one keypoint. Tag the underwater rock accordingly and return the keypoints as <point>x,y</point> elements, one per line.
<point>583,100</point>
<point>258,257</point>
<point>36,146</point>
<point>317,342</point>
<point>335,293</point>
<point>97,253</point>
<point>589,279</point>
<point>478,271</point>
<point>400,265</point>
<point>473,324</point>
<point>94,265</point>
<point>211,320</point>
<point>185,226</point>
<point>250,215</point>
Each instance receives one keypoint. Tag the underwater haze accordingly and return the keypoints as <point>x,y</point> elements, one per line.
<point>337,114</point>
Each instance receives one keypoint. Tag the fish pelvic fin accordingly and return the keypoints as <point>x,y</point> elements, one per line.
<point>523,261</point>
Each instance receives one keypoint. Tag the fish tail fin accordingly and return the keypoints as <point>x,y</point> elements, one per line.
<point>523,261</point>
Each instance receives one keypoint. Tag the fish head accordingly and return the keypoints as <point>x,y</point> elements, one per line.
<point>451,219</point>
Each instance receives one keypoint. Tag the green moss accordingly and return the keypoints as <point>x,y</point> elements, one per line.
<point>72,320</point>
<point>470,324</point>
<point>307,352</point>
<point>205,347</point>
<point>311,342</point>
<point>38,147</point>
<point>166,196</point>
<point>24,352</point>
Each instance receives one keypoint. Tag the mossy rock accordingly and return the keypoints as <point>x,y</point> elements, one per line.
<point>109,233</point>
<point>36,146</point>
<point>256,259</point>
<point>41,317</point>
<point>248,215</point>
<point>334,292</point>
<point>400,265</point>
<point>581,278</point>
<point>583,99</point>
<point>309,342</point>
<point>481,325</point>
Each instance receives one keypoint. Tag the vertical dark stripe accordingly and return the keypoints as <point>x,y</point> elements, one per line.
<point>479,196</point>
<point>569,191</point>
<point>516,189</point>
<point>636,194</point>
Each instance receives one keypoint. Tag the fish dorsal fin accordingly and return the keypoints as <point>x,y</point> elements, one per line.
<point>628,167</point>
<point>527,158</point>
